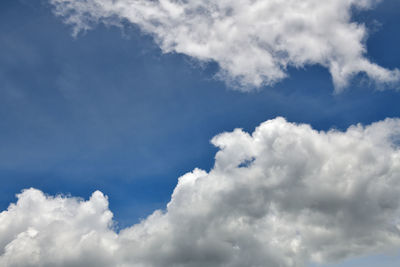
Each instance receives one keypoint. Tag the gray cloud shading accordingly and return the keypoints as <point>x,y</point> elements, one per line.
<point>285,195</point>
<point>253,41</point>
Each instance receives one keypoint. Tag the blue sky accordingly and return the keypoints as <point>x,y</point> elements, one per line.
<point>108,110</point>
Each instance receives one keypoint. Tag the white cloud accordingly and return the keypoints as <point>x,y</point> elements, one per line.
<point>253,41</point>
<point>282,196</point>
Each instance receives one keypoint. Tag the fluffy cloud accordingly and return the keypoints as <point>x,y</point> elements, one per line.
<point>283,196</point>
<point>253,41</point>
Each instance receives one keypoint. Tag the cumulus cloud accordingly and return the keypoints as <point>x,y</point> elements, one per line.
<point>253,41</point>
<point>285,195</point>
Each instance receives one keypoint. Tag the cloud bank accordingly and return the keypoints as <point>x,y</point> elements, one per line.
<point>253,41</point>
<point>283,196</point>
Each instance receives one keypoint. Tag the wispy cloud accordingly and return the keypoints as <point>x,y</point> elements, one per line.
<point>282,196</point>
<point>253,41</point>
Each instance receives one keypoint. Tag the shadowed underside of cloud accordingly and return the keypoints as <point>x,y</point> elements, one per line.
<point>283,196</point>
<point>253,41</point>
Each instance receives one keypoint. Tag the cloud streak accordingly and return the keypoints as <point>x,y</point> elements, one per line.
<point>253,41</point>
<point>284,195</point>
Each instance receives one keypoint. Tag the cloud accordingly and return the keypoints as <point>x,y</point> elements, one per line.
<point>283,196</point>
<point>253,41</point>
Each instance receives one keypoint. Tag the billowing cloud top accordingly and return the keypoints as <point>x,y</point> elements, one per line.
<point>282,196</point>
<point>253,41</point>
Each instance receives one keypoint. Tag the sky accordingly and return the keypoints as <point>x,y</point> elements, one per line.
<point>105,104</point>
